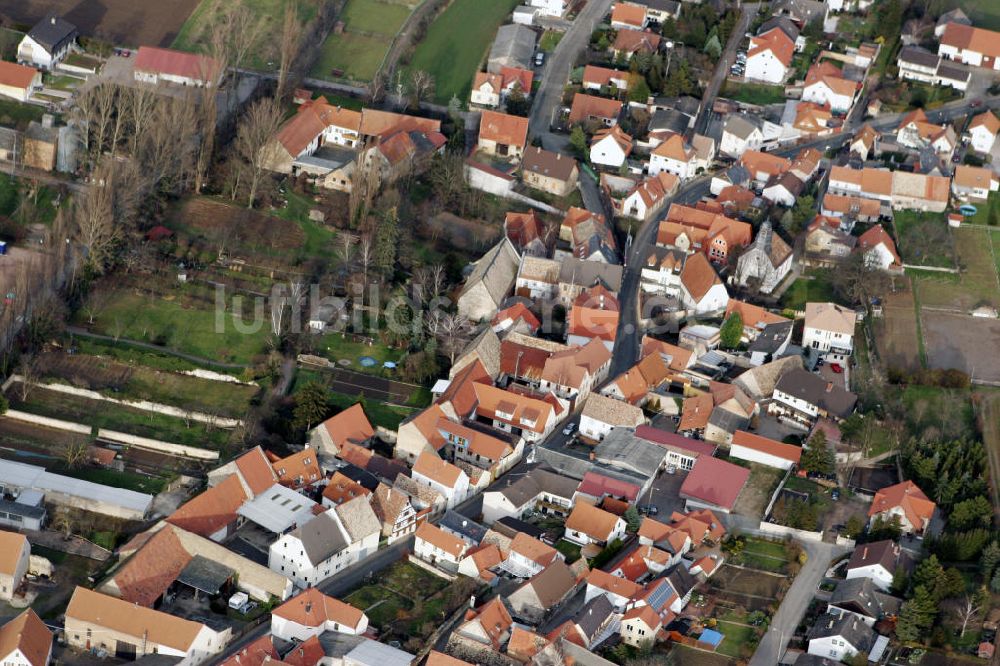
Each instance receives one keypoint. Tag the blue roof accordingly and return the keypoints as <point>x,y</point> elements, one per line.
<point>711,637</point>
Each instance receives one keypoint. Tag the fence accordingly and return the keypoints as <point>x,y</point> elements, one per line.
<point>56,424</point>
<point>781,530</point>
<point>158,445</point>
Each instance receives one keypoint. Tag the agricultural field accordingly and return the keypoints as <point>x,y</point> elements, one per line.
<point>195,32</point>
<point>924,239</point>
<point>987,404</point>
<point>747,588</point>
<point>984,13</point>
<point>124,22</point>
<point>456,43</point>
<point>896,333</point>
<point>369,28</point>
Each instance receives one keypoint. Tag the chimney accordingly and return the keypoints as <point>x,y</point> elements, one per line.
<point>309,606</point>
<point>472,601</point>
<point>53,19</point>
<point>829,386</point>
<point>864,554</point>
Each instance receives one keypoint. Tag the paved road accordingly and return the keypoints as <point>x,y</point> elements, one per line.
<point>726,60</point>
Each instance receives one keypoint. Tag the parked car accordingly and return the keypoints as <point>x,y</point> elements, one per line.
<point>568,430</point>
<point>648,509</point>
<point>539,58</point>
<point>671,469</point>
<point>836,367</point>
<point>835,494</point>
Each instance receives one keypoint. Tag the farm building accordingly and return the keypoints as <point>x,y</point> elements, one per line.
<point>18,81</point>
<point>156,65</point>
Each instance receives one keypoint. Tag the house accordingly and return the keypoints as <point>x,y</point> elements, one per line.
<point>316,124</point>
<point>490,282</point>
<point>628,15</point>
<point>350,425</point>
<point>15,554</point>
<point>865,142</point>
<point>801,397</point>
<point>430,470</point>
<point>587,108</point>
<point>491,90</point>
<point>974,183</point>
<point>550,172</point>
<point>784,189</point>
<point>47,43</point>
<point>97,621</point>
<point>438,547</point>
<point>593,624</point>
<point>825,86</point>
<point>754,317</point>
<point>212,513</point>
<point>702,292</point>
<point>526,232</point>
<point>771,343</point>
<point>618,590</point>
<point>593,316</point>
<point>555,8</point>
<point>25,641</point>
<point>543,592</point>
<point>970,45</point>
<point>311,613</point>
<point>514,46</point>
<point>595,487</point>
<point>740,133</point>
<point>157,65</point>
<point>298,470</point>
<point>862,599</point>
<point>600,414</point>
<point>539,490</point>
<point>905,502</point>
<point>674,156</point>
<point>576,275</point>
<point>763,450</point>
<point>880,250</point>
<point>838,638</point>
<point>629,42</point>
<point>589,237</point>
<point>765,263</point>
<point>394,509</point>
<point>640,626</point>
<point>916,132</point>
<point>331,541</point>
<point>900,189</point>
<point>713,484</point>
<point>829,329</point>
<point>571,374</point>
<point>877,561</point>
<point>918,64</point>
<point>341,488</point>
<point>502,135</point>
<point>528,556</point>
<point>764,166</point>
<point>40,142</point>
<point>600,78</point>
<point>848,209</point>
<point>19,82</point>
<point>589,525</point>
<point>647,199</point>
<point>983,131</point>
<point>954,16</point>
<point>610,147</point>
<point>486,628</point>
<point>770,56</point>
<point>814,119</point>
<point>532,416</point>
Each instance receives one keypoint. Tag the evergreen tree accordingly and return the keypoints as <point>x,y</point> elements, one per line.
<point>632,518</point>
<point>731,331</point>
<point>927,573</point>
<point>854,527</point>
<point>989,560</point>
<point>899,580</point>
<point>387,241</point>
<point>974,512</point>
<point>818,457</point>
<point>311,406</point>
<point>916,616</point>
<point>713,47</point>
<point>578,141</point>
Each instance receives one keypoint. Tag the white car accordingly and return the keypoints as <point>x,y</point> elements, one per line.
<point>568,430</point>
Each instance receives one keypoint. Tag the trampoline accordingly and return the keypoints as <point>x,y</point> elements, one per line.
<point>367,361</point>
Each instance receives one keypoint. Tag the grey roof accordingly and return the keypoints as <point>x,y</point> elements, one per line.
<point>859,595</point>
<point>373,653</point>
<point>537,481</point>
<point>622,449</point>
<point>741,125</point>
<point>336,644</point>
<point>8,138</point>
<point>847,626</point>
<point>21,475</point>
<point>669,119</point>
<point>277,509</point>
<point>772,337</point>
<point>672,7</point>
<point>593,615</point>
<point>953,72</point>
<point>767,241</point>
<point>552,584</point>
<point>759,382</point>
<point>588,273</point>
<point>38,132</point>
<point>805,11</point>
<point>737,174</point>
<point>514,45</point>
<point>497,271</point>
<point>358,518</point>
<point>53,32</point>
<point>23,510</point>
<point>681,580</point>
<point>806,659</point>
<point>918,56</point>
<point>206,575</point>
<point>786,24</point>
<point>886,553</point>
<point>817,391</point>
<point>321,538</point>
<point>727,421</point>
<point>548,163</point>
<point>466,528</point>
<point>954,16</point>
<point>683,103</point>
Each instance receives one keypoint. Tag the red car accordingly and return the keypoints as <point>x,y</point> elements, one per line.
<point>836,367</point>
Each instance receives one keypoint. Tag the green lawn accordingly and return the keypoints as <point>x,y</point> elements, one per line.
<point>735,636</point>
<point>924,238</point>
<point>753,93</point>
<point>336,346</point>
<point>318,239</point>
<point>394,592</point>
<point>569,549</point>
<point>115,479</point>
<point>384,18</point>
<point>456,43</point>
<point>19,115</point>
<point>169,323</point>
<point>550,39</point>
<point>984,13</point>
<point>815,287</point>
<point>126,353</point>
<point>194,35</point>
<point>982,215</point>
<point>101,414</point>
<point>380,414</point>
<point>357,56</point>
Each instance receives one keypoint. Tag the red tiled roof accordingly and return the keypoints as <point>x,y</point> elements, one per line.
<point>665,438</point>
<point>350,425</point>
<point>144,577</point>
<point>207,513</point>
<point>598,485</point>
<point>777,42</point>
<point>587,106</point>
<point>908,497</point>
<point>714,481</point>
<point>312,608</point>
<point>256,470</point>
<point>503,128</point>
<point>298,469</point>
<point>176,63</point>
<point>768,446</point>
<point>28,634</point>
<point>17,76</point>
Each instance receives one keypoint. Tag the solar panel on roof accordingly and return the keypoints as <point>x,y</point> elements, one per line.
<point>661,595</point>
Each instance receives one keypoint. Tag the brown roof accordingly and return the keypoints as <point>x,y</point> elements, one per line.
<point>908,497</point>
<point>340,489</point>
<point>632,41</point>
<point>974,177</point>
<point>177,63</point>
<point>602,75</point>
<point>27,633</point>
<point>675,149</point>
<point>587,106</point>
<point>621,586</point>
<point>503,128</point>
<point>213,509</point>
<point>548,163</point>
<point>986,42</point>
<point>350,425</point>
<point>388,503</point>
<point>433,467</point>
<point>437,537</point>
<point>493,400</point>
<point>777,42</point>
<point>828,73</point>
<point>523,645</point>
<point>436,658</point>
<point>309,122</point>
<point>301,465</point>
<point>698,276</point>
<point>623,140</point>
<point>11,546</point>
<point>757,162</point>
<point>695,412</point>
<point>493,618</point>
<point>553,583</point>
<point>753,315</point>
<point>256,470</point>
<point>312,608</point>
<point>876,236</point>
<point>495,81</point>
<point>384,123</point>
<point>533,549</point>
<point>592,521</point>
<point>987,119</point>
<point>156,628</point>
<point>768,446</point>
<point>144,577</point>
<point>628,13</point>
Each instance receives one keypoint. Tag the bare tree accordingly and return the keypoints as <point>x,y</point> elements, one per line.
<point>291,44</point>
<point>96,302</point>
<point>970,608</point>
<point>255,142</point>
<point>95,107</point>
<point>366,253</point>
<point>139,108</point>
<point>108,211</point>
<point>364,185</point>
<point>421,87</point>
<point>75,454</point>
<point>27,368</point>
<point>451,330</point>
<point>64,521</point>
<point>345,250</point>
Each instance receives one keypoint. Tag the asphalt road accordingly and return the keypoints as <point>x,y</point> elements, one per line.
<point>726,60</point>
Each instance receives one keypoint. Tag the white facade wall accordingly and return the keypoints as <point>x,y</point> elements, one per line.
<point>833,647</point>
<point>607,152</point>
<point>765,67</point>
<point>428,552</point>
<point>876,573</point>
<point>288,630</point>
<point>981,140</point>
<point>549,7</point>
<point>822,340</point>
<point>714,300</point>
<point>454,495</point>
<point>753,455</point>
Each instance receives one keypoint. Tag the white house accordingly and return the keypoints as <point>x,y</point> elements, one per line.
<point>970,45</point>
<point>47,43</point>
<point>983,131</point>
<point>974,183</point>
<point>589,525</point>
<point>740,133</point>
<point>431,471</point>
<point>311,613</point>
<point>879,249</point>
<point>549,7</point>
<point>331,541</point>
<point>829,329</point>
<point>618,590</point>
<point>610,147</point>
<point>702,291</point>
<point>748,446</point>
<point>155,65</point>
<point>600,414</point>
<point>766,262</point>
<point>19,81</point>
<point>826,87</point>
<point>838,638</point>
<point>17,553</point>
<point>528,556</point>
<point>769,56</point>
<point>877,561</point>
<point>25,641</point>
<point>673,156</point>
<point>538,490</point>
<point>439,548</point>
